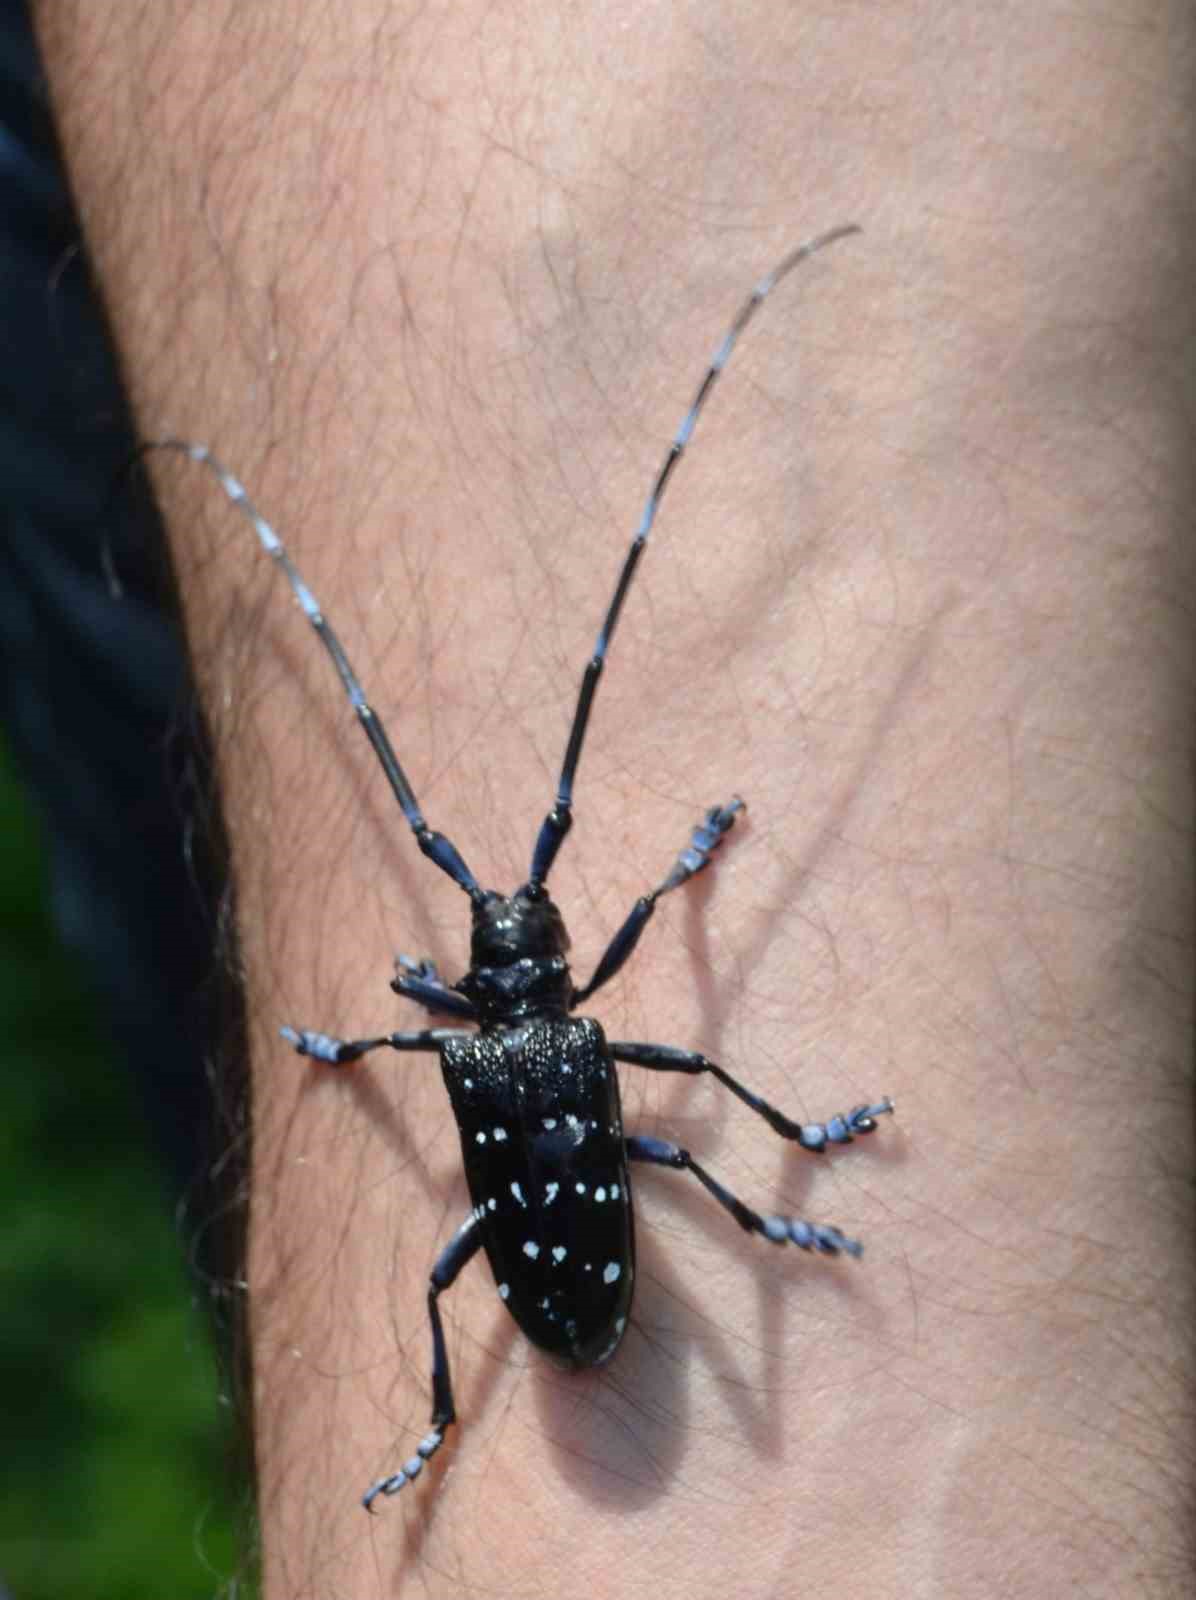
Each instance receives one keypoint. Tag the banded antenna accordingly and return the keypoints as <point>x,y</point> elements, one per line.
<point>560,819</point>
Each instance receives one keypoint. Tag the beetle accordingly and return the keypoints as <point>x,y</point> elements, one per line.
<point>533,1088</point>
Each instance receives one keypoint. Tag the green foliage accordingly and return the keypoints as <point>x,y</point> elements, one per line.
<point>117,1479</point>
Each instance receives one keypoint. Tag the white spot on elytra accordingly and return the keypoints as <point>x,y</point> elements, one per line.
<point>518,1193</point>
<point>614,1191</point>
<point>620,1324</point>
<point>550,1122</point>
<point>551,1190</point>
<point>504,1290</point>
<point>531,1248</point>
<point>611,1271</point>
<point>492,1203</point>
<point>500,1134</point>
<point>559,1253</point>
<point>481,1136</point>
<point>600,1194</point>
<point>580,1187</point>
<point>468,1083</point>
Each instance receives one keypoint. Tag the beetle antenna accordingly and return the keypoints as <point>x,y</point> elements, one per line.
<point>434,845</point>
<point>560,819</point>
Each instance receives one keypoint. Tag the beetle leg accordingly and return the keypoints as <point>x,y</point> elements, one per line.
<point>420,981</point>
<point>704,841</point>
<point>340,1052</point>
<point>780,1230</point>
<point>459,1251</point>
<point>839,1129</point>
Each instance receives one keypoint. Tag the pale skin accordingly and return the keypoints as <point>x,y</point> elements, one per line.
<point>438,283</point>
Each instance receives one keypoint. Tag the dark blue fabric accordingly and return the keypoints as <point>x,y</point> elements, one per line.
<point>94,688</point>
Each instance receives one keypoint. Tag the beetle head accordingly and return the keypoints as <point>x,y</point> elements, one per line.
<point>507,929</point>
<point>517,957</point>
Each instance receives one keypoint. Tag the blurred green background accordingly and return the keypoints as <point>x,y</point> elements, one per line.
<point>119,1480</point>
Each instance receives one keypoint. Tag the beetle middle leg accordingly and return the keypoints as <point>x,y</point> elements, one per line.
<point>458,1253</point>
<point>839,1129</point>
<point>780,1230</point>
<point>421,982</point>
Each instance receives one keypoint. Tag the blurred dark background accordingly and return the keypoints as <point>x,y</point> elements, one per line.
<point>121,1126</point>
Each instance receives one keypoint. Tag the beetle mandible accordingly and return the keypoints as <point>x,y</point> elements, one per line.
<point>534,1089</point>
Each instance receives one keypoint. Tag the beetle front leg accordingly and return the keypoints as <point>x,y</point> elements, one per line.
<point>341,1052</point>
<point>839,1129</point>
<point>705,839</point>
<point>461,1249</point>
<point>779,1230</point>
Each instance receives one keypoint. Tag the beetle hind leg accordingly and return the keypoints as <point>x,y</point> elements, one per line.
<point>459,1251</point>
<point>779,1230</point>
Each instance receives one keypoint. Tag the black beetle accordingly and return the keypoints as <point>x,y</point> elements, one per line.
<point>534,1090</point>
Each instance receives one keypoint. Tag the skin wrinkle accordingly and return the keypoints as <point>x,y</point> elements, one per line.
<point>938,523</point>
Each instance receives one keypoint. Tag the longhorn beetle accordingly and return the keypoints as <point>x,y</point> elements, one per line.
<point>534,1090</point>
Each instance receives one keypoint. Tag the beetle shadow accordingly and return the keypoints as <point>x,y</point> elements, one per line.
<point>716,995</point>
<point>622,1433</point>
<point>628,1429</point>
